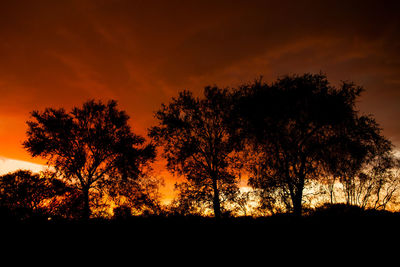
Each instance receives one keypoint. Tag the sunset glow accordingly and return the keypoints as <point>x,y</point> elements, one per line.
<point>11,165</point>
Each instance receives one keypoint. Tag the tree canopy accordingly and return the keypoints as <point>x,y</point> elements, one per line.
<point>194,135</point>
<point>299,126</point>
<point>297,140</point>
<point>24,194</point>
<point>89,145</point>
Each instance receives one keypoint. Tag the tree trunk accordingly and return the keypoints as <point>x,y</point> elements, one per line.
<point>86,205</point>
<point>297,198</point>
<point>216,201</point>
<point>297,204</point>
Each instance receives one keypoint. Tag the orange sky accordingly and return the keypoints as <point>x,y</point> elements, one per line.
<point>141,53</point>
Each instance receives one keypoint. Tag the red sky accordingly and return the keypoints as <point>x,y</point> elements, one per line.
<point>141,53</point>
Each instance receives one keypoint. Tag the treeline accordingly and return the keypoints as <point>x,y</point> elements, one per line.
<point>299,142</point>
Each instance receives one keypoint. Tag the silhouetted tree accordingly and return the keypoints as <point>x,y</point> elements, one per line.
<point>373,183</point>
<point>361,161</point>
<point>88,146</point>
<point>197,144</point>
<point>388,186</point>
<point>297,126</point>
<point>25,194</point>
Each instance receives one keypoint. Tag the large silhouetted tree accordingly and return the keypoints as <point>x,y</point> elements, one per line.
<point>298,125</point>
<point>90,146</point>
<point>196,143</point>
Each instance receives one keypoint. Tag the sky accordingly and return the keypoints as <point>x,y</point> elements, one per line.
<point>142,53</point>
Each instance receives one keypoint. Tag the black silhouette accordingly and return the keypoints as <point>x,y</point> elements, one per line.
<point>299,126</point>
<point>196,143</point>
<point>27,196</point>
<point>362,161</point>
<point>296,133</point>
<point>89,146</point>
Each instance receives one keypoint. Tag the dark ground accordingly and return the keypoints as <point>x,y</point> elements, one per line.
<point>338,219</point>
<point>334,234</point>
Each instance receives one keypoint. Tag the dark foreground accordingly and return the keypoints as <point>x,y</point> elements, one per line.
<point>329,223</point>
<point>333,235</point>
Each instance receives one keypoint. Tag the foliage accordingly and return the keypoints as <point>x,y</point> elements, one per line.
<point>25,194</point>
<point>298,127</point>
<point>196,141</point>
<point>88,145</point>
<point>300,141</point>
